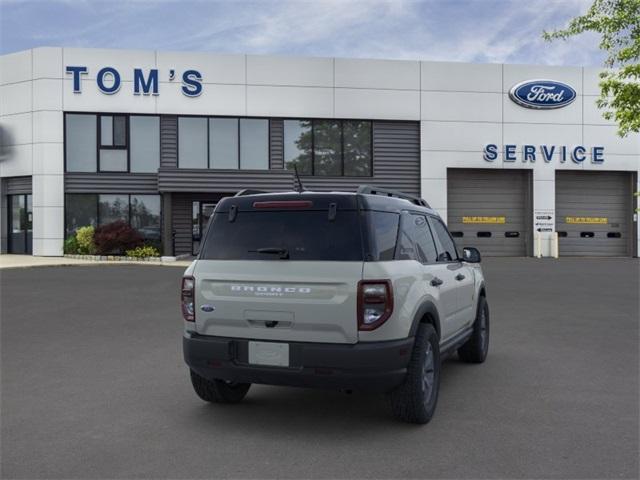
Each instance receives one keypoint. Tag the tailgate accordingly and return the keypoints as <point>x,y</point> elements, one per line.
<point>298,301</point>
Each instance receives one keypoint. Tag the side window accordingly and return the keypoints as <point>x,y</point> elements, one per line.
<point>446,247</point>
<point>383,236</point>
<point>416,242</point>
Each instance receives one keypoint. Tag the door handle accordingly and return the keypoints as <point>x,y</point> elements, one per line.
<point>436,282</point>
<point>460,277</point>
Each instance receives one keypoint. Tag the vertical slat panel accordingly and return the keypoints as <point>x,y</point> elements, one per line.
<point>168,141</point>
<point>276,143</point>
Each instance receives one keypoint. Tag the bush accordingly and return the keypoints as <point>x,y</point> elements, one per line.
<point>145,251</point>
<point>116,238</point>
<point>71,246</point>
<point>84,237</point>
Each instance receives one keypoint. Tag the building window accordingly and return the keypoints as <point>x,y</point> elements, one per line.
<point>297,146</point>
<point>328,147</point>
<point>145,143</point>
<point>254,144</point>
<point>192,142</point>
<point>142,212</point>
<point>112,143</point>
<point>81,210</point>
<point>80,142</point>
<point>223,143</point>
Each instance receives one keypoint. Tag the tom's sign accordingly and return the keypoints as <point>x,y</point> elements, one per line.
<point>542,94</point>
<point>109,80</point>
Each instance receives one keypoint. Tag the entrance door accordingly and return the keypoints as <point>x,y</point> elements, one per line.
<point>20,224</point>
<point>201,212</point>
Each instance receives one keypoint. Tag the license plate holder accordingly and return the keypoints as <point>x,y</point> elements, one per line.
<point>273,354</point>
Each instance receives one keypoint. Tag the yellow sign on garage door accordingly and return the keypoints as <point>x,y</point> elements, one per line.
<point>587,220</point>
<point>491,220</point>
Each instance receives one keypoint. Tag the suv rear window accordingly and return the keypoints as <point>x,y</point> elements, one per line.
<point>303,235</point>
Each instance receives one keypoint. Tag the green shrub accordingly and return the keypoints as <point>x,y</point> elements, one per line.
<point>84,236</point>
<point>71,245</point>
<point>144,251</point>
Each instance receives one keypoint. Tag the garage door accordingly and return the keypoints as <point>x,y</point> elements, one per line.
<point>489,210</point>
<point>593,213</point>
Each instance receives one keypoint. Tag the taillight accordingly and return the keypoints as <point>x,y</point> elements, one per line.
<point>375,303</point>
<point>187,298</point>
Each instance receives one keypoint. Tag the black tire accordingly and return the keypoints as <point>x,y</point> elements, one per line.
<point>415,400</point>
<point>218,391</point>
<point>476,348</point>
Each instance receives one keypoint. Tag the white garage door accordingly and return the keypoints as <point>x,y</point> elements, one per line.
<point>594,213</point>
<point>490,210</point>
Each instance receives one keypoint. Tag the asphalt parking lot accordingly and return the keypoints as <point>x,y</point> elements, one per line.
<point>93,386</point>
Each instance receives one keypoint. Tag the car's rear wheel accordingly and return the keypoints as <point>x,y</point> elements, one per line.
<point>415,400</point>
<point>218,391</point>
<point>476,348</point>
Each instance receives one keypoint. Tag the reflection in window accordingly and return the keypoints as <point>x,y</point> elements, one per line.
<point>80,210</point>
<point>327,143</point>
<point>357,148</point>
<point>297,145</point>
<point>112,208</point>
<point>145,217</point>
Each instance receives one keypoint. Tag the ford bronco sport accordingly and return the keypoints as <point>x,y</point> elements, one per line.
<point>352,291</point>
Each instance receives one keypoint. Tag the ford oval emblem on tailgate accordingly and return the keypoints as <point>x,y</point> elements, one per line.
<point>207,308</point>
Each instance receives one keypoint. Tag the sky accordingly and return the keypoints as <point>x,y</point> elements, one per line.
<point>481,31</point>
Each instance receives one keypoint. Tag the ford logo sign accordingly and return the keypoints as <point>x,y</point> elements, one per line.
<point>542,94</point>
<point>207,308</point>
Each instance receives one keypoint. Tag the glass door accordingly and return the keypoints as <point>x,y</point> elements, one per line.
<point>200,214</point>
<point>20,224</point>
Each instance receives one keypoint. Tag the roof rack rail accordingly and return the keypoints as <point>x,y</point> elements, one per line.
<point>249,191</point>
<point>371,190</point>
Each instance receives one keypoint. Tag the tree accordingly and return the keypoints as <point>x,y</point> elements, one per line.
<point>618,23</point>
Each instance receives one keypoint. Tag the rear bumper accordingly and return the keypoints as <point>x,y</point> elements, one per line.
<point>371,366</point>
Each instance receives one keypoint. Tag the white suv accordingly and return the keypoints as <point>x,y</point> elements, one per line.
<point>352,291</point>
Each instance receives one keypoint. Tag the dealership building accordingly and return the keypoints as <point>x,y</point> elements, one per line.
<point>517,159</point>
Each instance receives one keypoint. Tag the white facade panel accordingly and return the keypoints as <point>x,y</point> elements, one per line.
<point>47,247</point>
<point>289,71</point>
<point>17,161</point>
<point>461,77</point>
<point>17,129</point>
<point>591,76</point>
<point>15,98</point>
<point>93,100</point>
<point>125,61</point>
<point>290,101</point>
<point>15,67</point>
<point>48,158</point>
<point>47,62</point>
<point>48,222</point>
<point>542,134</point>
<point>377,74</point>
<point>434,191</point>
<point>47,94</point>
<point>214,100</point>
<point>48,191</point>
<point>514,74</point>
<point>458,106</point>
<point>571,114</point>
<point>459,136</point>
<point>592,114</point>
<point>229,69</point>
<point>48,127</point>
<point>378,104</point>
<point>607,136</point>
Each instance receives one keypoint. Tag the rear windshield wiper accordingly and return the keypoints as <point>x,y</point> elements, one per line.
<point>283,252</point>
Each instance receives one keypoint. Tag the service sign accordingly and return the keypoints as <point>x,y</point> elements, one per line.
<point>544,220</point>
<point>542,94</point>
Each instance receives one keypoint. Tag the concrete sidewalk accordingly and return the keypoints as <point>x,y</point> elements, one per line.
<point>26,261</point>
